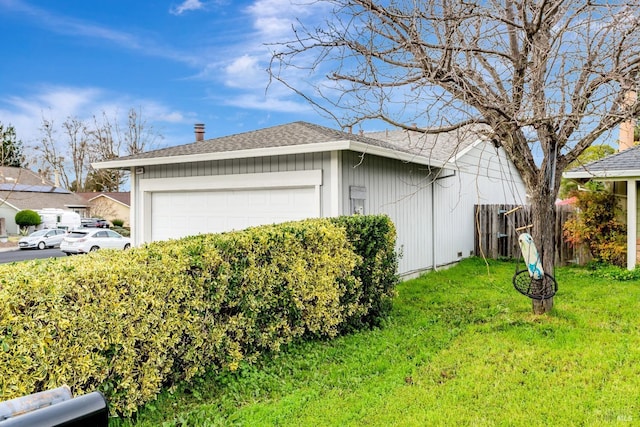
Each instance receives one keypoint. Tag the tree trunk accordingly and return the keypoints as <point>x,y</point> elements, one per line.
<point>543,218</point>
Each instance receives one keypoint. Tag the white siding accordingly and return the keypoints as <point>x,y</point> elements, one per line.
<point>9,215</point>
<point>433,214</point>
<point>400,190</point>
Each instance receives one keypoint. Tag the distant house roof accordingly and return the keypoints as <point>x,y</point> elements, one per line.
<point>24,189</point>
<point>292,138</point>
<point>624,164</point>
<point>120,197</point>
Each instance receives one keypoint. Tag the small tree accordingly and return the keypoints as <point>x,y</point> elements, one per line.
<point>597,224</point>
<point>27,218</point>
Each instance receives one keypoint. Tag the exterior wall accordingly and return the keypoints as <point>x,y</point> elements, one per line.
<point>9,215</point>
<point>433,212</point>
<point>109,209</point>
<point>484,175</point>
<point>401,190</point>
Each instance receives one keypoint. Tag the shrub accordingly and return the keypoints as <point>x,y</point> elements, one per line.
<point>596,223</point>
<point>128,323</point>
<point>373,238</point>
<point>27,218</point>
<point>117,222</point>
<point>126,232</point>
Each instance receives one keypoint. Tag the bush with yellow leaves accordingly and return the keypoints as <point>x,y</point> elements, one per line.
<point>129,323</point>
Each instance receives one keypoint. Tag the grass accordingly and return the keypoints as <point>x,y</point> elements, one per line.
<point>461,348</point>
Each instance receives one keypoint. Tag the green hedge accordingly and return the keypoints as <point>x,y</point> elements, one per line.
<point>130,323</point>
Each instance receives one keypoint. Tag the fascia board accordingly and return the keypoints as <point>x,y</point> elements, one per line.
<point>397,155</point>
<point>226,155</point>
<point>609,175</point>
<point>466,150</point>
<point>273,151</point>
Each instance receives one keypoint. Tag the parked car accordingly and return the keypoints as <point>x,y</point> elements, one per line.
<point>46,238</point>
<point>94,223</point>
<point>90,240</point>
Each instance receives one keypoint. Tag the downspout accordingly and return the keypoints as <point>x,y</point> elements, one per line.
<point>433,222</point>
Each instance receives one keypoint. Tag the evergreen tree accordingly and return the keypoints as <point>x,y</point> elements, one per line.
<point>11,148</point>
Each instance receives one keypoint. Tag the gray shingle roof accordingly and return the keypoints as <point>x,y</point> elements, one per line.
<point>34,200</point>
<point>441,146</point>
<point>619,164</point>
<point>301,134</point>
<point>291,134</point>
<point>25,189</point>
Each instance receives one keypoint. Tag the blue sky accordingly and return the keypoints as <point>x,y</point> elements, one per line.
<point>181,62</point>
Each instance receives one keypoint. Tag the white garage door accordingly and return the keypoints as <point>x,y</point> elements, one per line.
<point>178,214</point>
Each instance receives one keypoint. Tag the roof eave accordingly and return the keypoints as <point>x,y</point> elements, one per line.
<point>272,151</point>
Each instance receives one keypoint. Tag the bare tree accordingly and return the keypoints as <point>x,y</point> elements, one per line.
<point>111,140</point>
<point>69,157</point>
<point>548,77</point>
<point>51,160</point>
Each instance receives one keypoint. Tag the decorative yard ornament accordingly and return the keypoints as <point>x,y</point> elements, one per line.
<point>531,281</point>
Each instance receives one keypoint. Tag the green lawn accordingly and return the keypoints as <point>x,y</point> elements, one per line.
<point>461,348</point>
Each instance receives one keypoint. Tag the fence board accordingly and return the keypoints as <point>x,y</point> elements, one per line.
<point>496,235</point>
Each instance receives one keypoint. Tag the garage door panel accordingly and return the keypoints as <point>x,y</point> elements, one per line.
<point>178,214</point>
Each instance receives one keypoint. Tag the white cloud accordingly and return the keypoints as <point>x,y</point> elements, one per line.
<point>245,72</point>
<point>268,103</point>
<point>274,18</point>
<point>73,27</point>
<point>187,5</point>
<point>57,103</point>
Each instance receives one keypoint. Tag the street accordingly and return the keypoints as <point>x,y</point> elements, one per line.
<point>8,256</point>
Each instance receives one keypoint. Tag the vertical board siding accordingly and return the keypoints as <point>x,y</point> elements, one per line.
<point>401,191</point>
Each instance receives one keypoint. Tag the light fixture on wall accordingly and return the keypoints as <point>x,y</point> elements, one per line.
<point>139,171</point>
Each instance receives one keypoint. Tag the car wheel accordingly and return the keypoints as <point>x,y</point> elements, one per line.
<point>41,245</point>
<point>127,246</point>
<point>68,253</point>
<point>93,248</point>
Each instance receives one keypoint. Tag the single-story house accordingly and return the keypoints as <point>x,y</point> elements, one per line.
<point>109,205</point>
<point>622,169</point>
<point>22,188</point>
<point>427,184</point>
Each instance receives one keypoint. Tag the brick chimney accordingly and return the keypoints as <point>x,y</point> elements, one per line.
<point>625,140</point>
<point>199,130</point>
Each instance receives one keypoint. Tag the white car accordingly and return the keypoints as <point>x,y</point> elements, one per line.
<point>47,238</point>
<point>91,239</point>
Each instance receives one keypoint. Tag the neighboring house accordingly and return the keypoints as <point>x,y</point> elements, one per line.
<point>24,189</point>
<point>623,170</point>
<point>428,185</point>
<point>109,205</point>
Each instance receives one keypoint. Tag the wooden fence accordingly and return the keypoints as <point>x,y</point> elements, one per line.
<point>496,235</point>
